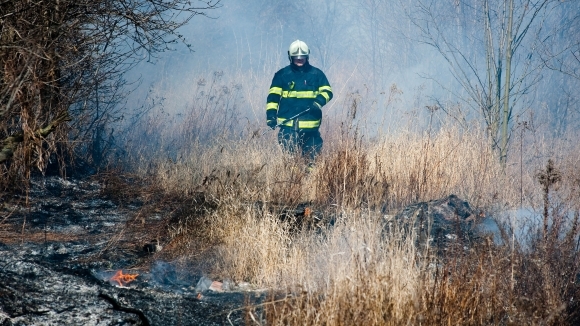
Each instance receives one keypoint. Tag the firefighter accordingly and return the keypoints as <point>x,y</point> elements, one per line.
<point>296,88</point>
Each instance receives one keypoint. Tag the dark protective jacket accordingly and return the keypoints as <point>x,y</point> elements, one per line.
<point>293,90</point>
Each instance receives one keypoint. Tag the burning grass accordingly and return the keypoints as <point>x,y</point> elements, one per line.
<point>123,279</point>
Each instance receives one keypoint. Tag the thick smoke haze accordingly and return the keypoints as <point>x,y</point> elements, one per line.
<point>395,58</point>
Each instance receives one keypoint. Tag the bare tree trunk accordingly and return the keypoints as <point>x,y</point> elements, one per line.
<point>491,110</point>
<point>507,88</point>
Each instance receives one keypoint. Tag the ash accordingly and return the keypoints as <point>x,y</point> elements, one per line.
<point>57,256</point>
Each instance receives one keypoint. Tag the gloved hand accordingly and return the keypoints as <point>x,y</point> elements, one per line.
<point>271,124</point>
<point>315,111</point>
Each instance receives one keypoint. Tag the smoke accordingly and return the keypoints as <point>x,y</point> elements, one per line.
<point>168,276</point>
<point>366,49</point>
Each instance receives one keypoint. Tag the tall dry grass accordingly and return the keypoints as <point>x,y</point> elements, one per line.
<point>388,173</point>
<point>344,266</point>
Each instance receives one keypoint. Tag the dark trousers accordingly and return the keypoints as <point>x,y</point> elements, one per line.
<point>307,143</point>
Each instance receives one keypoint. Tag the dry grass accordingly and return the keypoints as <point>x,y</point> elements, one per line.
<point>355,271</point>
<point>393,171</point>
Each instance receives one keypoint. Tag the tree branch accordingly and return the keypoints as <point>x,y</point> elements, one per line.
<point>10,144</point>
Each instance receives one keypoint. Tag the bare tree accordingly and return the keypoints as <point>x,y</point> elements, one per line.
<point>64,60</point>
<point>560,47</point>
<point>489,47</point>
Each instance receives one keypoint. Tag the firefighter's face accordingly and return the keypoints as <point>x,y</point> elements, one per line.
<point>299,60</point>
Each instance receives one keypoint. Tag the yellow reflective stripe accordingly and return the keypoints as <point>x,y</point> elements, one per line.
<point>288,124</point>
<point>271,106</point>
<point>308,124</point>
<point>323,91</point>
<point>301,124</point>
<point>276,90</point>
<point>300,94</point>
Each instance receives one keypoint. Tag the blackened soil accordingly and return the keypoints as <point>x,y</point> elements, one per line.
<point>58,252</point>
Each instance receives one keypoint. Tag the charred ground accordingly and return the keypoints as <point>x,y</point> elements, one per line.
<point>58,251</point>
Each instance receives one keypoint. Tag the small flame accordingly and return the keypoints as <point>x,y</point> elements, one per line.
<point>123,279</point>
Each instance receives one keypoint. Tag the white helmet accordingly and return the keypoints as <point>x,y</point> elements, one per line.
<point>298,49</point>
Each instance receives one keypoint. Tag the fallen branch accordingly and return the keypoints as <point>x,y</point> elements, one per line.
<point>10,143</point>
<point>118,307</point>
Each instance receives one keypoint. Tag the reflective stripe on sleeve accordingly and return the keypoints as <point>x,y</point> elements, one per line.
<point>324,91</point>
<point>276,90</point>
<point>271,106</point>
